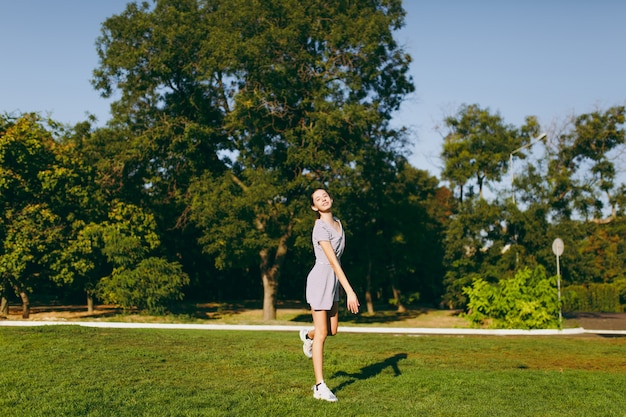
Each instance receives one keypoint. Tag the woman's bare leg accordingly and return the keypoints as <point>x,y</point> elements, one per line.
<point>325,323</point>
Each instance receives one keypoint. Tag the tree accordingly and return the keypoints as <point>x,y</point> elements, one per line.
<point>575,194</point>
<point>31,236</point>
<point>395,226</point>
<point>478,146</point>
<point>300,92</point>
<point>582,173</point>
<point>475,246</point>
<point>55,225</point>
<point>578,178</point>
<point>112,255</point>
<point>33,177</point>
<point>604,248</point>
<point>571,193</point>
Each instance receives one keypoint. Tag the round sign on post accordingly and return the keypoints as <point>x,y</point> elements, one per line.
<point>558,246</point>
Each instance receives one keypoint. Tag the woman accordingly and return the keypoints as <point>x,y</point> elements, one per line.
<point>322,290</point>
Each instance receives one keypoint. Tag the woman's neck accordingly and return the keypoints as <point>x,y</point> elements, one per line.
<point>327,217</point>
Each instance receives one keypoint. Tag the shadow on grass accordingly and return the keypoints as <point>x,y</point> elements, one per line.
<point>370,371</point>
<point>379,317</point>
<point>215,311</point>
<point>78,311</point>
<point>218,310</point>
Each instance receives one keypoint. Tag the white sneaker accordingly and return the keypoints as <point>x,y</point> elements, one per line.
<point>321,392</point>
<point>307,344</point>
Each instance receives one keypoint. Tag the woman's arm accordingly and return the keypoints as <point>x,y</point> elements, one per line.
<point>353,301</point>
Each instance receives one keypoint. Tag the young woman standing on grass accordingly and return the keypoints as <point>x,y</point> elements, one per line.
<point>322,290</point>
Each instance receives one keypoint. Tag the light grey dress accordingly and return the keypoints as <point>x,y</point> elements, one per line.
<point>322,286</point>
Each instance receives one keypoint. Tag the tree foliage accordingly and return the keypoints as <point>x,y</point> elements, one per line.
<point>593,297</point>
<point>577,178</point>
<point>228,113</point>
<point>529,300</point>
<point>478,146</point>
<point>300,93</point>
<point>153,285</point>
<point>55,226</point>
<point>475,242</point>
<point>570,193</point>
<point>33,216</point>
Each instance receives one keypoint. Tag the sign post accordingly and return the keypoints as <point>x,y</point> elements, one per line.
<point>557,248</point>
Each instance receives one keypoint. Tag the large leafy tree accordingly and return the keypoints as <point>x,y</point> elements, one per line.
<point>474,247</point>
<point>573,192</point>
<point>301,93</point>
<point>395,244</point>
<point>477,147</point>
<point>582,177</point>
<point>41,189</point>
<point>114,259</point>
<point>578,195</point>
<point>149,283</point>
<point>162,63</point>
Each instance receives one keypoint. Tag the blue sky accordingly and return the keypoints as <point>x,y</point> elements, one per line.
<point>549,58</point>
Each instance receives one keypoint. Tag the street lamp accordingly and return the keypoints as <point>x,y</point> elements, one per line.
<point>528,145</point>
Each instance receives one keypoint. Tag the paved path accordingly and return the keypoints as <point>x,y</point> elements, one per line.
<point>344,329</point>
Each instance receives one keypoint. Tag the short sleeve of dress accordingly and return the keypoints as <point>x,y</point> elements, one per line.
<point>321,232</point>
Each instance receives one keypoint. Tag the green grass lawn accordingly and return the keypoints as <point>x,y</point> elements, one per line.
<point>79,371</point>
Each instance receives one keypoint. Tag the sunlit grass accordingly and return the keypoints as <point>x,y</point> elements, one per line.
<point>76,371</point>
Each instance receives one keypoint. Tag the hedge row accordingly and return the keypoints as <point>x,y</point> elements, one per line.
<point>598,298</point>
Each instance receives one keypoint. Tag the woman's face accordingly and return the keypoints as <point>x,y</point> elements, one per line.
<point>321,201</point>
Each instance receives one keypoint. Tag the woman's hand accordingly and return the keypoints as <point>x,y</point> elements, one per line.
<point>353,303</point>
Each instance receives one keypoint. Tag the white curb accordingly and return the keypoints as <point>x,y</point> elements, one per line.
<point>378,330</point>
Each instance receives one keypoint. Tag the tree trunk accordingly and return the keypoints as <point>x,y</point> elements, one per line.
<point>89,303</point>
<point>270,288</point>
<point>397,297</point>
<point>368,291</point>
<point>4,306</point>
<point>270,274</point>
<point>368,301</point>
<point>25,304</point>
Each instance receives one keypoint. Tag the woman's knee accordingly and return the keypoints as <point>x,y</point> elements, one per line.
<point>321,334</point>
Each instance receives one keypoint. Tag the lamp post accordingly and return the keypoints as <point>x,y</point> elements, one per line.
<point>528,145</point>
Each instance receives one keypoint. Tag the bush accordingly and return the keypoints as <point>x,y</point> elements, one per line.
<point>151,286</point>
<point>599,298</point>
<point>529,300</point>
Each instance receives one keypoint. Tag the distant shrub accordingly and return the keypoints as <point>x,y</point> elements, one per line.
<point>529,300</point>
<point>597,298</point>
<point>152,286</point>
